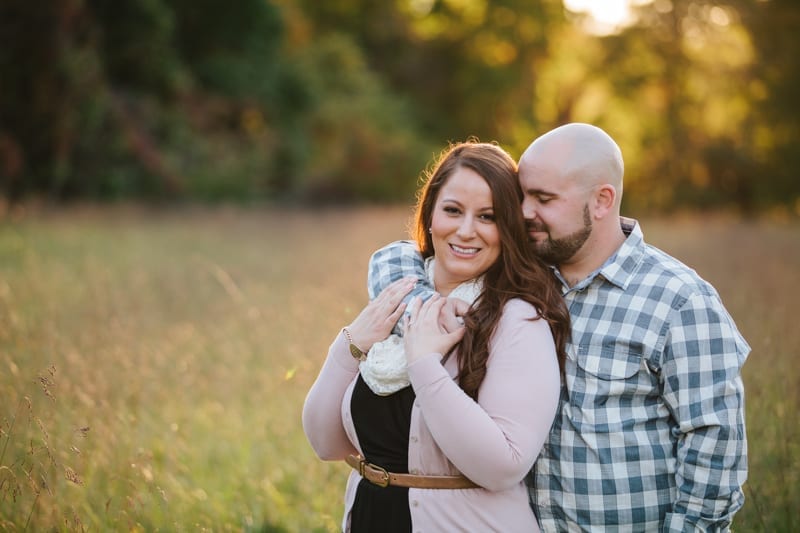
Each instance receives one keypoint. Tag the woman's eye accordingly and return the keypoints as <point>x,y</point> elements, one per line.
<point>451,210</point>
<point>488,217</point>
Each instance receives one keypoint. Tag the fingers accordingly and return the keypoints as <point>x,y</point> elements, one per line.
<point>393,294</point>
<point>424,334</point>
<point>402,286</point>
<point>388,305</point>
<point>395,316</point>
<point>377,319</point>
<point>413,313</point>
<point>450,317</point>
<point>454,337</point>
<point>460,307</point>
<point>424,313</point>
<point>429,311</point>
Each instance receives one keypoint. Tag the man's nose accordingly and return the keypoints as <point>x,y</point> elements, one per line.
<point>528,209</point>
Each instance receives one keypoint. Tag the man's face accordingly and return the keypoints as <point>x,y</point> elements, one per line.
<point>556,214</point>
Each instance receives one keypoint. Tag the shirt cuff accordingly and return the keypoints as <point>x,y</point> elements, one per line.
<point>678,523</point>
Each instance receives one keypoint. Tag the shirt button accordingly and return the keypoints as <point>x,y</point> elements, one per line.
<point>414,471</point>
<point>415,503</point>
<point>413,439</point>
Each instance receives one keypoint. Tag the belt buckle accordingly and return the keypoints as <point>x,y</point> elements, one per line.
<point>383,481</point>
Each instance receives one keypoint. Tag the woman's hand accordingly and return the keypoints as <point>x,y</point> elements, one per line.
<point>377,319</point>
<point>425,334</point>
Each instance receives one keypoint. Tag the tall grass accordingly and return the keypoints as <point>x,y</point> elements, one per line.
<point>153,364</point>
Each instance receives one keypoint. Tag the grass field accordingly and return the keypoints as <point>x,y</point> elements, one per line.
<point>153,364</point>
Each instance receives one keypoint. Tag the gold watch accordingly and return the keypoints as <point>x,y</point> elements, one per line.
<point>355,351</point>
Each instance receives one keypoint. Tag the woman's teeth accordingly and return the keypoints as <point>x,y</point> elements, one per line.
<point>464,250</point>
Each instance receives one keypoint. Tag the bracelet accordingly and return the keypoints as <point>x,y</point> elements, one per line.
<point>355,351</point>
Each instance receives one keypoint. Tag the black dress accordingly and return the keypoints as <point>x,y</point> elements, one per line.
<point>382,424</point>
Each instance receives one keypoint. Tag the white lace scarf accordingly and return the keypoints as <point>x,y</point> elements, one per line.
<point>385,370</point>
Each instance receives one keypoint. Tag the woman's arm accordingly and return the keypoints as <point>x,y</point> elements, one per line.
<point>322,411</point>
<point>495,442</point>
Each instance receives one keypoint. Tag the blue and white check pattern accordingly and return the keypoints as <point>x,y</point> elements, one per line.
<point>650,434</point>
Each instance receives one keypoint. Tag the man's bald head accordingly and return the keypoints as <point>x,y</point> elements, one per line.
<point>579,152</point>
<point>571,179</point>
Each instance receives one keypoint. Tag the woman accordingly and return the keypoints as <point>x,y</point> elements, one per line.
<point>450,451</point>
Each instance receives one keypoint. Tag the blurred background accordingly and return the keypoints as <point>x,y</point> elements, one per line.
<point>190,191</point>
<point>297,101</point>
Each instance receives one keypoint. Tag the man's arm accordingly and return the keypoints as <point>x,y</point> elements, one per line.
<point>703,388</point>
<point>394,261</point>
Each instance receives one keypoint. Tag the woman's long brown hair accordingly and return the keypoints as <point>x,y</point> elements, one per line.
<point>517,272</point>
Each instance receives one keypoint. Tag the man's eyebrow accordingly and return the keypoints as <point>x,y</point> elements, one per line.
<point>540,192</point>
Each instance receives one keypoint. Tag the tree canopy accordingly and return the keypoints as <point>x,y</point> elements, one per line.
<point>303,101</point>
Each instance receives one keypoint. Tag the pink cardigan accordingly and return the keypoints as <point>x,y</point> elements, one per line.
<point>493,442</point>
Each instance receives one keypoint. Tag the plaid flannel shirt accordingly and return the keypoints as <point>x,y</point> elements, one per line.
<point>650,432</point>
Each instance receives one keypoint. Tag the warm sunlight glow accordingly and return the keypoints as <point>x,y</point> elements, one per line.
<point>604,17</point>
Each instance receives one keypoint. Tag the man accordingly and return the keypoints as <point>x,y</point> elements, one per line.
<point>650,433</point>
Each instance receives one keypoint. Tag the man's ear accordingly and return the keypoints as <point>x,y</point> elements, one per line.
<point>605,197</point>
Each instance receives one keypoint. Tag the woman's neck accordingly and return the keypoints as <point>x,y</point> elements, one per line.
<point>444,290</point>
<point>441,281</point>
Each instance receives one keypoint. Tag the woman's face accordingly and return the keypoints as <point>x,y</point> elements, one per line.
<point>465,238</point>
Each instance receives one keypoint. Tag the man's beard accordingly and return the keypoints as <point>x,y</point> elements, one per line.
<point>557,251</point>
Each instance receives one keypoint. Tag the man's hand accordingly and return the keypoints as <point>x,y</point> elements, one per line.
<point>450,317</point>
<point>423,334</point>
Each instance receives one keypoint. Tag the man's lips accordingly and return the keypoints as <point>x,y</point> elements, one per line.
<point>535,228</point>
<point>537,233</point>
<point>532,227</point>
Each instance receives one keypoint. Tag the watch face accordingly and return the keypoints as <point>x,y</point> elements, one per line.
<point>358,354</point>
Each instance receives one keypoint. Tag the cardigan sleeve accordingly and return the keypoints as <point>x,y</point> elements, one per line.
<point>322,411</point>
<point>496,440</point>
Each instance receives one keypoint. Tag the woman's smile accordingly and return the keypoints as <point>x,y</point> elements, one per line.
<point>464,251</point>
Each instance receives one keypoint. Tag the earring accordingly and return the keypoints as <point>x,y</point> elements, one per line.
<point>430,230</point>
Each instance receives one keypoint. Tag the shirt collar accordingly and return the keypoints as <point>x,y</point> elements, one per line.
<point>619,268</point>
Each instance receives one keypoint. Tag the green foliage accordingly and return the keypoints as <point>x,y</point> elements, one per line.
<point>467,66</point>
<point>775,82</point>
<point>231,50</point>
<point>356,140</point>
<point>134,40</point>
<point>202,100</point>
<point>301,100</point>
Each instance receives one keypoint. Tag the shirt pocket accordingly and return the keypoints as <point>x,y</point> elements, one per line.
<point>609,386</point>
<point>606,363</point>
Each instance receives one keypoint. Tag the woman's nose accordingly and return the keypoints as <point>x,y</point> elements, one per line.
<point>467,228</point>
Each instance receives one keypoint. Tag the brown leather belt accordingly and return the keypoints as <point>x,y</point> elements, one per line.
<point>378,476</point>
